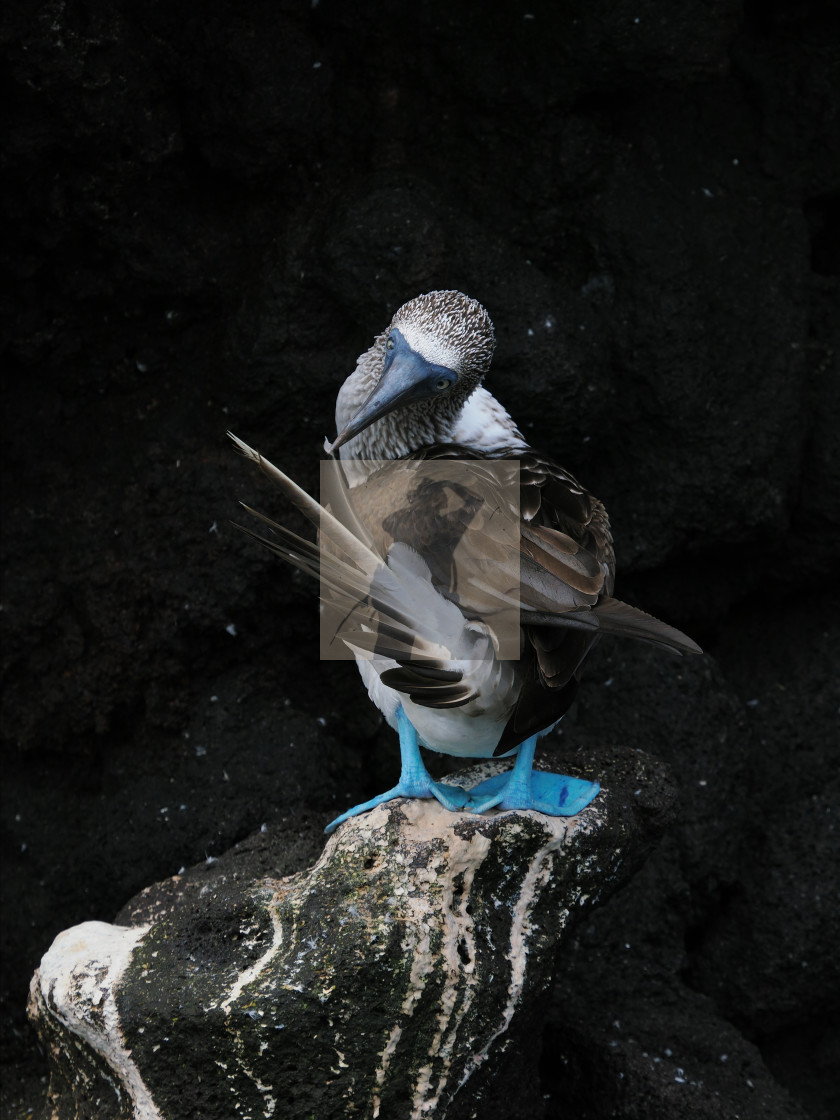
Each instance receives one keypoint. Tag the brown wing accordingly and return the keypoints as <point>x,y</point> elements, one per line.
<point>566,561</point>
<point>559,580</point>
<point>567,570</point>
<point>564,528</point>
<point>566,531</point>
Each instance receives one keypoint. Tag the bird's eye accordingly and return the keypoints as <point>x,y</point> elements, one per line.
<point>441,384</point>
<point>389,345</point>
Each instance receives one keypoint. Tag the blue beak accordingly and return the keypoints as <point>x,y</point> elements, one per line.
<point>406,378</point>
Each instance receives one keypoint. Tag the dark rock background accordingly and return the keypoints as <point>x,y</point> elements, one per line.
<point>210,210</point>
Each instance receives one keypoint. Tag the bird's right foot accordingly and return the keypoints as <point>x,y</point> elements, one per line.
<point>450,797</point>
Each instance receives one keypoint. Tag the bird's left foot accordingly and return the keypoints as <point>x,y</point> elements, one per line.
<point>556,795</point>
<point>415,779</point>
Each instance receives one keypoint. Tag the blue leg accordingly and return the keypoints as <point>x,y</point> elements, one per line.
<point>415,779</point>
<point>525,788</point>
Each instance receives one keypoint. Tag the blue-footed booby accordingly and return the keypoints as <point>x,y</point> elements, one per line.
<point>426,649</point>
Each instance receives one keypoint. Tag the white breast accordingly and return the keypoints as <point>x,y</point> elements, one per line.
<point>472,731</point>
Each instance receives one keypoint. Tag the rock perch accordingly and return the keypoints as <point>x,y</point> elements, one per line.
<point>401,977</point>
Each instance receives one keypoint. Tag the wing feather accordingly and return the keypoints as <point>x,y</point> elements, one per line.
<point>379,559</point>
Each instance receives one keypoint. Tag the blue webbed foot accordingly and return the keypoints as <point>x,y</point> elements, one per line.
<point>451,797</point>
<point>556,795</point>
<point>415,780</point>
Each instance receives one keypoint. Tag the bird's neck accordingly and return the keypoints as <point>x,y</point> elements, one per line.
<point>393,437</point>
<point>485,426</point>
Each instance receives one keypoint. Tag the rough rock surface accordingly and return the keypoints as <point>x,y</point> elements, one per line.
<point>208,213</point>
<point>395,977</point>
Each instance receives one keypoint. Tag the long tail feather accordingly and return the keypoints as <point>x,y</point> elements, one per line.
<point>612,616</point>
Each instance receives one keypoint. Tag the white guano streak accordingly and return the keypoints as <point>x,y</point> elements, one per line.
<point>457,927</point>
<point>463,858</point>
<point>421,964</point>
<point>248,976</point>
<point>252,972</point>
<point>537,877</point>
<point>76,984</point>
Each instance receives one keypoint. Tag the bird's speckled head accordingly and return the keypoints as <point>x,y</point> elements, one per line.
<point>424,368</point>
<point>449,329</point>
